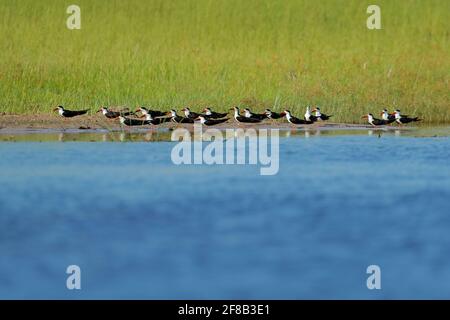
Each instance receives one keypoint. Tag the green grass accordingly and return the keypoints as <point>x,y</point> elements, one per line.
<point>173,53</point>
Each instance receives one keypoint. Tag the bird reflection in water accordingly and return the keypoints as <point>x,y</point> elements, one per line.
<point>378,133</point>
<point>309,133</point>
<point>148,135</point>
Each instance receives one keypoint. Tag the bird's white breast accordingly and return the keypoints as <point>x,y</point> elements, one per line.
<point>307,115</point>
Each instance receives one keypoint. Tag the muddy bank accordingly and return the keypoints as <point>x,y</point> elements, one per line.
<point>43,122</point>
<point>97,128</point>
<point>46,121</point>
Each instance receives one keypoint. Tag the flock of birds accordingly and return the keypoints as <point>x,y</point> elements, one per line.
<point>144,116</point>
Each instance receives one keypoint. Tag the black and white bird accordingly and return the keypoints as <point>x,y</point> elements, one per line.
<point>213,115</point>
<point>242,119</point>
<point>178,119</point>
<point>133,122</point>
<point>294,120</point>
<point>156,121</point>
<point>272,115</point>
<point>309,116</point>
<point>321,116</point>
<point>386,116</point>
<point>114,114</point>
<point>211,122</point>
<point>374,121</point>
<point>258,116</point>
<point>69,113</point>
<point>153,113</point>
<point>404,119</point>
<point>189,114</point>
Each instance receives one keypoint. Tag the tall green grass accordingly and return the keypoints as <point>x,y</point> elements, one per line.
<point>262,53</point>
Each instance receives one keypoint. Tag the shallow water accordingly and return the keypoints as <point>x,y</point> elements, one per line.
<point>141,227</point>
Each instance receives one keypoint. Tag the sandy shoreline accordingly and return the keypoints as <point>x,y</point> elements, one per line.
<point>42,123</point>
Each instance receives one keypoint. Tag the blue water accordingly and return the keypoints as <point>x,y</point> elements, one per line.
<point>140,227</point>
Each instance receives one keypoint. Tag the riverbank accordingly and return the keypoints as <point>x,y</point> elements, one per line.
<point>44,122</point>
<point>48,128</point>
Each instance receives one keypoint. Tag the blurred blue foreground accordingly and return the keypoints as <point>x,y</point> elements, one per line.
<point>140,227</point>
